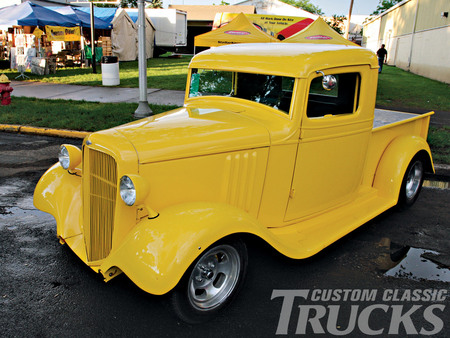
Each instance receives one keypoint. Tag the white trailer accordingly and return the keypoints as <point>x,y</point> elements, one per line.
<point>171,28</point>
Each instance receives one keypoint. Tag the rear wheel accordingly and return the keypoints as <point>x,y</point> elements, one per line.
<point>212,282</point>
<point>412,183</point>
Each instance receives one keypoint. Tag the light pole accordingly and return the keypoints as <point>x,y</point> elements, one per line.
<point>143,109</point>
<point>347,31</point>
<point>94,65</point>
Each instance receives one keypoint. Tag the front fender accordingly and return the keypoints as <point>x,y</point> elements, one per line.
<point>59,194</point>
<point>395,160</point>
<point>156,254</point>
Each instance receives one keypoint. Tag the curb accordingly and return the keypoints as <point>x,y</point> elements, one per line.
<point>12,128</point>
<point>442,170</point>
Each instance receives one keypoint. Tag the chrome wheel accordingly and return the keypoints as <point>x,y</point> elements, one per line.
<point>214,277</point>
<point>414,180</point>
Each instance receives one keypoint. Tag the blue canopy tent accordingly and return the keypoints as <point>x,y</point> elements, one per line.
<point>82,17</point>
<point>30,14</point>
<point>105,14</point>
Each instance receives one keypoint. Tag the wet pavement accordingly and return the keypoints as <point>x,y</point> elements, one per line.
<point>401,259</point>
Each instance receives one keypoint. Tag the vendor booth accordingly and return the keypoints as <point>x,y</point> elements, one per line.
<point>21,21</point>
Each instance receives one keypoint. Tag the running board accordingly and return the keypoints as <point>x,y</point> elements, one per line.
<point>308,237</point>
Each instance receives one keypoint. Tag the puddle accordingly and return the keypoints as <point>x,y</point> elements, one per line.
<point>414,265</point>
<point>401,261</point>
<point>436,184</point>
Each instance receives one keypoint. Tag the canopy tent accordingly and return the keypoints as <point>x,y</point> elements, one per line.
<point>319,32</point>
<point>104,13</point>
<point>83,18</point>
<point>279,26</point>
<point>124,37</point>
<point>123,33</point>
<point>149,31</point>
<point>30,14</point>
<point>240,30</point>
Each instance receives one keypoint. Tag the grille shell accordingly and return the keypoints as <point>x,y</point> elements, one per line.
<point>100,196</point>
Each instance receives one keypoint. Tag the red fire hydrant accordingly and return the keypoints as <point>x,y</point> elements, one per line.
<point>5,90</point>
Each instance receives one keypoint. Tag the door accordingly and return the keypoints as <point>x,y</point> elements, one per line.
<point>332,146</point>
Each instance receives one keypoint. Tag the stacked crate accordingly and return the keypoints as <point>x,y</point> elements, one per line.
<point>106,45</point>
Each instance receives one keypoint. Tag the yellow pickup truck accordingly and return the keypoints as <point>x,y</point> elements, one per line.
<point>279,141</point>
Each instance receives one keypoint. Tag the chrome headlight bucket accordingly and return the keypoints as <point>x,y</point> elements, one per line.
<point>127,190</point>
<point>133,189</point>
<point>69,156</point>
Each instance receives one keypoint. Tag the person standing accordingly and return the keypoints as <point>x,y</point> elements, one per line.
<point>382,57</point>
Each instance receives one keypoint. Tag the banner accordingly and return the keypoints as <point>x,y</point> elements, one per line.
<point>274,25</point>
<point>56,33</point>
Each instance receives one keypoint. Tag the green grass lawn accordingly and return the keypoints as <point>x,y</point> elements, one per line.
<point>439,141</point>
<point>68,114</point>
<point>400,89</point>
<point>162,73</point>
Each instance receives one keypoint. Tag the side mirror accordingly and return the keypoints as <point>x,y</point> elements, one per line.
<point>329,82</point>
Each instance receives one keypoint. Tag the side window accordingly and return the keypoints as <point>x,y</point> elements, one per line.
<point>343,99</point>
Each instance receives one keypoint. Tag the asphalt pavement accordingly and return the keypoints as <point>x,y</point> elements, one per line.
<point>43,90</point>
<point>46,291</point>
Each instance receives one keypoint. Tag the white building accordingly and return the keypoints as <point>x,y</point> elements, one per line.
<point>276,7</point>
<point>417,37</point>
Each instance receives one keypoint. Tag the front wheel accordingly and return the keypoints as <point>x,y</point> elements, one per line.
<point>212,281</point>
<point>412,183</point>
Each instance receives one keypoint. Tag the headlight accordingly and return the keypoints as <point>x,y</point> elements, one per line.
<point>133,189</point>
<point>69,156</point>
<point>127,190</point>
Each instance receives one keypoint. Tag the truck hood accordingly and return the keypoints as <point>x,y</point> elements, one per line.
<point>189,131</point>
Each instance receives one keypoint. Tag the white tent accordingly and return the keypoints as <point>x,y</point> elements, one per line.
<point>149,31</point>
<point>149,37</point>
<point>124,37</point>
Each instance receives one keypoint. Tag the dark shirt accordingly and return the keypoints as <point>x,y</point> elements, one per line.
<point>382,52</point>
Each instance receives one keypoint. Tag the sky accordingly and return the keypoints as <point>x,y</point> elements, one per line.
<point>329,7</point>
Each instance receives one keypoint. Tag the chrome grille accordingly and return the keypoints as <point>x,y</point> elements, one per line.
<point>100,198</point>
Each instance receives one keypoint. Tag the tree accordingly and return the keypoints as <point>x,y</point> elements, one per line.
<point>155,4</point>
<point>104,4</point>
<point>337,23</point>
<point>384,5</point>
<point>305,5</point>
<point>128,3</point>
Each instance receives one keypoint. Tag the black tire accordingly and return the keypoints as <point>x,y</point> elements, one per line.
<point>221,268</point>
<point>412,183</point>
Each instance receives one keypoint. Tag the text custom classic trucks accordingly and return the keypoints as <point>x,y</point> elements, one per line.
<point>279,141</point>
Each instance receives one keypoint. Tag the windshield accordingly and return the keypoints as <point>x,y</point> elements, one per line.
<point>271,90</point>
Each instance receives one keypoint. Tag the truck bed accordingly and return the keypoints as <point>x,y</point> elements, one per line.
<point>384,117</point>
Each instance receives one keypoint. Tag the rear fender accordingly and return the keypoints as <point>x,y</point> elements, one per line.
<point>395,160</point>
<point>157,252</point>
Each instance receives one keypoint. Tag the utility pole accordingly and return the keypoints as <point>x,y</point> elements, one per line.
<point>94,65</point>
<point>143,109</point>
<point>347,31</point>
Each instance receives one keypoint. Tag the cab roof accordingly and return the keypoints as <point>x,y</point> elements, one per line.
<point>284,59</point>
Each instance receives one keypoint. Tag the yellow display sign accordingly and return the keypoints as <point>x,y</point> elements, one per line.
<point>56,33</point>
<point>273,25</point>
<point>38,33</point>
